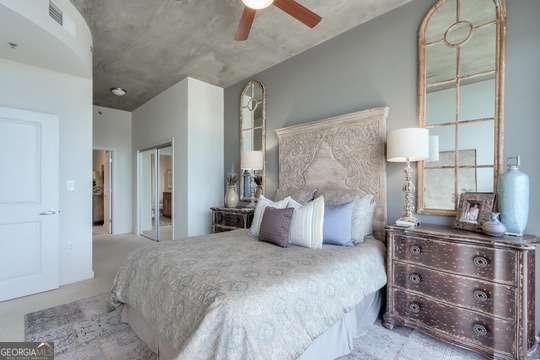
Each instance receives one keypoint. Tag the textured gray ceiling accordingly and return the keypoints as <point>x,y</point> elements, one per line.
<point>145,46</point>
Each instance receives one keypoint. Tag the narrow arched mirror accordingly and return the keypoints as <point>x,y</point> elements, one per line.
<point>252,140</point>
<point>461,79</point>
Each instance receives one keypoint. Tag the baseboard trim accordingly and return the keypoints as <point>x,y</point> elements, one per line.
<point>89,276</point>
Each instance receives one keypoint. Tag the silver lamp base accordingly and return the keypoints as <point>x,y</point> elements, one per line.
<point>409,218</point>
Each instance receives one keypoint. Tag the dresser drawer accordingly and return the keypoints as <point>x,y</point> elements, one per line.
<point>481,262</point>
<point>469,326</point>
<point>474,294</point>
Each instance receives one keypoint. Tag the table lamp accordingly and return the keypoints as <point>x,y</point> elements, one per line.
<point>252,161</point>
<point>406,146</point>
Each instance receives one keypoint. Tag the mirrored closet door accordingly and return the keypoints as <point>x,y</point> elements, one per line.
<point>155,175</point>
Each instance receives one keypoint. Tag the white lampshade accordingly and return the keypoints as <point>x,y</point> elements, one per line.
<point>252,160</point>
<point>433,148</point>
<point>257,4</point>
<point>409,144</point>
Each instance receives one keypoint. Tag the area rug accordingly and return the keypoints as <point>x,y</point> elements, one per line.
<point>85,330</point>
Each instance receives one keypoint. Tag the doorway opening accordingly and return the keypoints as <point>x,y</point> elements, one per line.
<point>155,192</point>
<point>102,192</point>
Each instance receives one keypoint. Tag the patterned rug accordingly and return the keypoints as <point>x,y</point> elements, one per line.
<point>85,330</point>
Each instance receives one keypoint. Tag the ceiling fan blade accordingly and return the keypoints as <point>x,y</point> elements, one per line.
<point>244,27</point>
<point>299,12</point>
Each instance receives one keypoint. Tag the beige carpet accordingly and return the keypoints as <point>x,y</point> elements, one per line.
<point>109,252</point>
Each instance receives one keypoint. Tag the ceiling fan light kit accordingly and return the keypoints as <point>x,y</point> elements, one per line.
<point>291,7</point>
<point>257,4</point>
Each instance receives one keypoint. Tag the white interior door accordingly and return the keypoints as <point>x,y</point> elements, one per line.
<point>29,236</point>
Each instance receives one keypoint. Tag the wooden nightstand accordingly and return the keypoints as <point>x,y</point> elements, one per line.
<point>464,288</point>
<point>228,219</point>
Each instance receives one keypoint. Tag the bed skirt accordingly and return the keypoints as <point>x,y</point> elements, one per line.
<point>335,342</point>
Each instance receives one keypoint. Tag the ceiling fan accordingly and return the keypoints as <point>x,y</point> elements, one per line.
<point>291,7</point>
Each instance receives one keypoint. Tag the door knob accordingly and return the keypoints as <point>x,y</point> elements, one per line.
<point>49,212</point>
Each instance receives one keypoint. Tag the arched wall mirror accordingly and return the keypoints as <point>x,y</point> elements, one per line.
<point>252,139</point>
<point>461,80</point>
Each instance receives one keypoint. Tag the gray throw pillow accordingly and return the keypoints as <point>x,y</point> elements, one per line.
<point>275,226</point>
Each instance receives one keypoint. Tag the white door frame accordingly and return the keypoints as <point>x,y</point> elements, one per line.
<point>110,204</point>
<point>169,143</point>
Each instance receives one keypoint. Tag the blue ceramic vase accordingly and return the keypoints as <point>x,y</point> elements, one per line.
<point>514,198</point>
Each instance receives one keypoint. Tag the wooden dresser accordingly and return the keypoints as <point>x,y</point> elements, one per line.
<point>464,288</point>
<point>228,219</point>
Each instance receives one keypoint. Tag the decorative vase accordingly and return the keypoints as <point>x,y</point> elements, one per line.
<point>493,227</point>
<point>231,197</point>
<point>514,198</point>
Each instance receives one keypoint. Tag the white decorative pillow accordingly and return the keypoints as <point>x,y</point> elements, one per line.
<point>306,227</point>
<point>262,203</point>
<point>362,218</point>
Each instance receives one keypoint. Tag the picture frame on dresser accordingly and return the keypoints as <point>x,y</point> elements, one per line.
<point>474,209</point>
<point>464,288</point>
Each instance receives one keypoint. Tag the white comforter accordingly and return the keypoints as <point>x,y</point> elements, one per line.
<point>230,297</point>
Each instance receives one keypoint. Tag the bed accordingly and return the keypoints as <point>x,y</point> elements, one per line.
<point>230,296</point>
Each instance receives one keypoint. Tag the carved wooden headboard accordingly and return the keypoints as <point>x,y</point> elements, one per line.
<point>341,154</point>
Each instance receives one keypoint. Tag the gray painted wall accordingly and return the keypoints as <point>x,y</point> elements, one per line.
<point>376,64</point>
<point>371,65</point>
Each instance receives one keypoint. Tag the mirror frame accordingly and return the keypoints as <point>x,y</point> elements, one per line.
<point>263,144</point>
<point>499,100</point>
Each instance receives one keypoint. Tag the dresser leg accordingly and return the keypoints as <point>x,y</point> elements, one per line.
<point>388,321</point>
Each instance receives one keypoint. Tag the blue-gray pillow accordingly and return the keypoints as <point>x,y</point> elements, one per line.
<point>338,224</point>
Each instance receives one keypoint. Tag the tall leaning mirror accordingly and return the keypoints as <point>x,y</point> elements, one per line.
<point>461,82</point>
<point>252,140</point>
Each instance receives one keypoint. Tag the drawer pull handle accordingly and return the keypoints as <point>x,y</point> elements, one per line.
<point>481,261</point>
<point>415,278</point>
<point>416,250</point>
<point>479,330</point>
<point>414,308</point>
<point>480,295</point>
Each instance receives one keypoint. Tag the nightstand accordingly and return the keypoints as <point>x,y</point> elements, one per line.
<point>228,219</point>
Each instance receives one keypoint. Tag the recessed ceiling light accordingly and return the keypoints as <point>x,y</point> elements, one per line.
<point>13,45</point>
<point>118,91</point>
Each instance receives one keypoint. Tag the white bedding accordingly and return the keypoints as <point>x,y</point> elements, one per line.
<point>228,296</point>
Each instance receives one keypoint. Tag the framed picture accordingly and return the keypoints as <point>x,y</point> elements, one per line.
<point>474,209</point>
